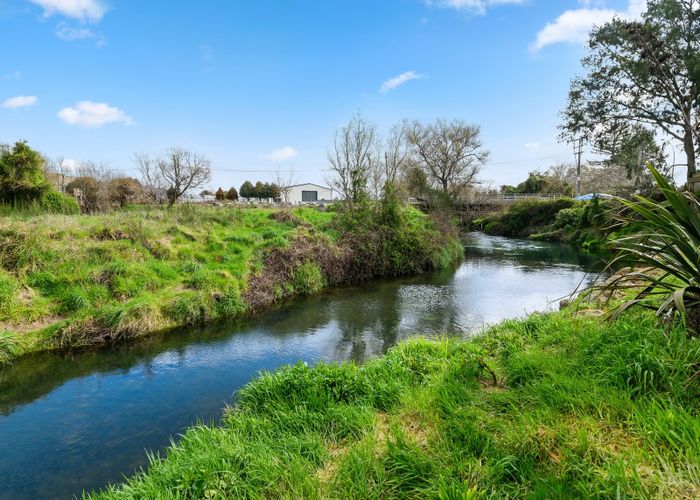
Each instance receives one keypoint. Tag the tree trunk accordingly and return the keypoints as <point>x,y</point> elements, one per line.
<point>689,148</point>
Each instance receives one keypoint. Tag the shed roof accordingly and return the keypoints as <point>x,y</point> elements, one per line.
<point>311,184</point>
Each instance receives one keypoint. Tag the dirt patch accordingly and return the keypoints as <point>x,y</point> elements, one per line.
<point>416,429</point>
<point>330,467</point>
<point>381,430</point>
<point>338,452</point>
<point>285,217</point>
<point>590,313</point>
<point>111,234</point>
<point>32,326</point>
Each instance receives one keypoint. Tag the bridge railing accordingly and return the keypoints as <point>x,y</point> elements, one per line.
<point>506,198</point>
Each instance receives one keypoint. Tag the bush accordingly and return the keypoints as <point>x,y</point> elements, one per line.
<point>308,279</point>
<point>21,174</point>
<point>390,239</point>
<point>570,217</point>
<point>89,189</point>
<point>59,203</point>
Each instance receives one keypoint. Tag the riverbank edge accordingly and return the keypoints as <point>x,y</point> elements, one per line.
<point>449,252</point>
<point>556,403</point>
<point>584,224</point>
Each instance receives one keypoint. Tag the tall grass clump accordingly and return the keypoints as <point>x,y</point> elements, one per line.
<point>9,347</point>
<point>663,253</point>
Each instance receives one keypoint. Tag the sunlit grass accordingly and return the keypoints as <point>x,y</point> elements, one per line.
<point>93,269</point>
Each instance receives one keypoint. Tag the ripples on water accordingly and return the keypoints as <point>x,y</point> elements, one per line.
<point>74,422</point>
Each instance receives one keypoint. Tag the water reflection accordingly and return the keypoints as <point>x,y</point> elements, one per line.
<point>79,421</point>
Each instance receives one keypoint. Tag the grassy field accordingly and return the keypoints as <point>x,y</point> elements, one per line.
<point>85,280</point>
<point>555,406</point>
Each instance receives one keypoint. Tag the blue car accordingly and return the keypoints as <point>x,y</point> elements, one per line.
<point>593,196</point>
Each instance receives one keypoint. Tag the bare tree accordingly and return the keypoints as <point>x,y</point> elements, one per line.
<point>284,183</point>
<point>397,153</point>
<point>183,170</point>
<point>352,158</point>
<point>60,169</point>
<point>377,178</point>
<point>602,178</point>
<point>450,153</point>
<point>151,178</point>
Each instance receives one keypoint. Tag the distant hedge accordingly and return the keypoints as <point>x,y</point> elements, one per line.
<point>59,203</point>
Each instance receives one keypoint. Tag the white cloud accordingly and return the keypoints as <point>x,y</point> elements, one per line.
<point>282,154</point>
<point>399,80</point>
<point>474,6</point>
<point>575,25</point>
<point>69,34</point>
<point>94,114</point>
<point>15,75</point>
<point>532,146</point>
<point>20,101</point>
<point>70,164</point>
<point>82,10</point>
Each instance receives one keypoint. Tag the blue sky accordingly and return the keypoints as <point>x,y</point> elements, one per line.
<point>263,85</point>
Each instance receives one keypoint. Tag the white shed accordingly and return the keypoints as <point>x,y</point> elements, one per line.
<point>309,193</point>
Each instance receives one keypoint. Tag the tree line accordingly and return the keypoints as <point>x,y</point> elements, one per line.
<point>420,159</point>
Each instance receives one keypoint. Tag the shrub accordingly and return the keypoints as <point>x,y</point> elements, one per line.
<point>570,217</point>
<point>308,279</point>
<point>389,239</point>
<point>59,203</point>
<point>21,174</point>
<point>89,190</point>
<point>124,190</point>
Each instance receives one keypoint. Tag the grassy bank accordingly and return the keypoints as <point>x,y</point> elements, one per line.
<point>85,280</point>
<point>555,406</point>
<point>584,224</point>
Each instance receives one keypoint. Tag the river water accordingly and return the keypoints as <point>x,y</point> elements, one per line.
<point>70,423</point>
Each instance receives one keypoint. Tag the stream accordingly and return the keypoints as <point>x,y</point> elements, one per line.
<point>70,423</point>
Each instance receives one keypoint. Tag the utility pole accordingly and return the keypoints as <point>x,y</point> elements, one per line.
<point>578,152</point>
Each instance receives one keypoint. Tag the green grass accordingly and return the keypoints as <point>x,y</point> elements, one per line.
<point>81,280</point>
<point>579,409</point>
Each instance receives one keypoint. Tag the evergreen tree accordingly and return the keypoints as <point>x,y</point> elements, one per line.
<point>247,190</point>
<point>21,174</point>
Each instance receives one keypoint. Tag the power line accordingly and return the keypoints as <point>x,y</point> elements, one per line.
<point>513,162</point>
